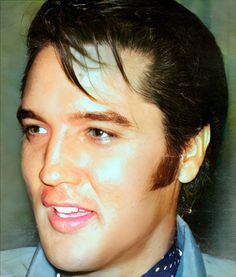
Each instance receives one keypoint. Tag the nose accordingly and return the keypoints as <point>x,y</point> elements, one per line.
<point>59,163</point>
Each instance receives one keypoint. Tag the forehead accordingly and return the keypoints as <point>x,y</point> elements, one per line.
<point>101,59</point>
<point>97,72</point>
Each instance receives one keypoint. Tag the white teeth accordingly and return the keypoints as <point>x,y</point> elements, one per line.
<point>69,212</point>
<point>66,210</point>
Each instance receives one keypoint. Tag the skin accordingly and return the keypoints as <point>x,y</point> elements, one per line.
<point>110,171</point>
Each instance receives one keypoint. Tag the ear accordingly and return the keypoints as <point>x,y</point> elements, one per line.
<point>193,156</point>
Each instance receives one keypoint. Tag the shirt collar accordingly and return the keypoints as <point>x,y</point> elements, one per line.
<point>168,265</point>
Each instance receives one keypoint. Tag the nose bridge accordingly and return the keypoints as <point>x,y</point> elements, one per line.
<point>57,165</point>
<point>56,147</point>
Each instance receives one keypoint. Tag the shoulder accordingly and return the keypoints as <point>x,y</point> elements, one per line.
<point>15,262</point>
<point>218,267</point>
<point>196,264</point>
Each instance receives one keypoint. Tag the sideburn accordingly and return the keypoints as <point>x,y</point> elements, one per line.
<point>166,171</point>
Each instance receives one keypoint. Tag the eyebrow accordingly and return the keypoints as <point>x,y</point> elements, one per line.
<point>108,116</point>
<point>24,113</point>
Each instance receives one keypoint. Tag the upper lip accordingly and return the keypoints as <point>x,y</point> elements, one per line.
<point>52,198</point>
<point>64,204</point>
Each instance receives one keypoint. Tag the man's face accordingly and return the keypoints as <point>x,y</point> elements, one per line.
<point>89,164</point>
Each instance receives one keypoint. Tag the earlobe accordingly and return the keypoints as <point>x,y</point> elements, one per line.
<point>194,155</point>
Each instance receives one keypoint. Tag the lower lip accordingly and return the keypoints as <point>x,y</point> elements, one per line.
<point>69,224</point>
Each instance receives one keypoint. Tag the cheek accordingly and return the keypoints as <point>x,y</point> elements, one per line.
<point>123,187</point>
<point>128,171</point>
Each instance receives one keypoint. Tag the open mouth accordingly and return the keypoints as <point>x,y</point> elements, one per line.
<point>69,219</point>
<point>66,215</point>
<point>70,212</point>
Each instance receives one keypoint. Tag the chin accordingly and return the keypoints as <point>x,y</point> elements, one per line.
<point>73,252</point>
<point>67,254</point>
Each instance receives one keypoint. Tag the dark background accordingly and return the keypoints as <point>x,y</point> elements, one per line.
<point>213,218</point>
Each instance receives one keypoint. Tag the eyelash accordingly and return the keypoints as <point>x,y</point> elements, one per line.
<point>100,139</point>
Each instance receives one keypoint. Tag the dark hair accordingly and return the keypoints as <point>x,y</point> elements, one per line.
<point>186,78</point>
